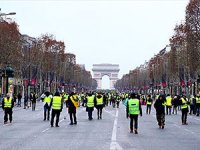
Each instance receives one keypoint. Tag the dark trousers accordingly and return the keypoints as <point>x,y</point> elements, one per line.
<point>148,110</point>
<point>90,109</point>
<point>168,110</point>
<point>184,115</point>
<point>135,119</point>
<point>25,104</point>
<point>8,112</point>
<point>19,102</point>
<point>161,119</point>
<point>72,117</point>
<point>113,103</point>
<point>33,106</point>
<point>99,112</point>
<point>46,112</point>
<point>30,102</point>
<point>53,114</point>
<point>117,104</point>
<point>192,109</point>
<point>197,108</point>
<point>110,102</point>
<point>174,110</point>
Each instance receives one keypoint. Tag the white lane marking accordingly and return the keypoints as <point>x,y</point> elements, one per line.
<point>177,126</point>
<point>184,129</point>
<point>197,119</point>
<point>109,112</point>
<point>45,130</point>
<point>49,128</point>
<point>189,131</point>
<point>7,124</point>
<point>114,145</point>
<point>61,120</point>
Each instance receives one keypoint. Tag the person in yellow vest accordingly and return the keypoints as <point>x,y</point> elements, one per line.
<point>57,105</point>
<point>90,105</point>
<point>192,104</point>
<point>72,104</point>
<point>198,105</point>
<point>7,105</point>
<point>149,103</point>
<point>47,101</point>
<point>118,99</point>
<point>133,110</point>
<point>168,104</point>
<point>184,110</point>
<point>99,104</point>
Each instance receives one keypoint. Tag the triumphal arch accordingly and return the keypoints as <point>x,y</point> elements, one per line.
<point>100,70</point>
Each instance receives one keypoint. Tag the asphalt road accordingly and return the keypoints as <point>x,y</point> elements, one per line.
<point>28,131</point>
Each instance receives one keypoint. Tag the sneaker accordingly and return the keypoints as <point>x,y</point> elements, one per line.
<point>51,125</point>
<point>163,127</point>
<point>75,123</point>
<point>57,126</point>
<point>71,123</point>
<point>131,131</point>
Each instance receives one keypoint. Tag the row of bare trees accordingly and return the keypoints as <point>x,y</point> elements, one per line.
<point>40,62</point>
<point>175,69</point>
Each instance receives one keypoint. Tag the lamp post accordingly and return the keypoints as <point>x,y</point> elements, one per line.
<point>8,73</point>
<point>5,14</point>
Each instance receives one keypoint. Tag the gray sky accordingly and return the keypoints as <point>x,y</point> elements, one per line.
<point>119,32</point>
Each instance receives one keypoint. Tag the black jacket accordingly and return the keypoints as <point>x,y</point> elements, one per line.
<point>159,106</point>
<point>70,105</point>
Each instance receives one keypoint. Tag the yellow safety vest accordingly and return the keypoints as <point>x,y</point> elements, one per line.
<point>100,101</point>
<point>133,105</point>
<point>74,100</point>
<point>66,97</point>
<point>7,102</point>
<point>149,103</point>
<point>56,104</point>
<point>47,99</point>
<point>184,104</point>
<point>168,101</point>
<point>90,101</point>
<point>198,100</point>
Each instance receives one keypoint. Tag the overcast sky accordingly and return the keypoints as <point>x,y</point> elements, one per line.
<point>125,32</point>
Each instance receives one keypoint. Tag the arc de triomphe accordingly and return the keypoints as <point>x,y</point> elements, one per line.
<point>100,70</point>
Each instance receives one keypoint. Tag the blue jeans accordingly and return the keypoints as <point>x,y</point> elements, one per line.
<point>90,109</point>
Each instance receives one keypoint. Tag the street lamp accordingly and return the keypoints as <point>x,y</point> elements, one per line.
<point>5,14</point>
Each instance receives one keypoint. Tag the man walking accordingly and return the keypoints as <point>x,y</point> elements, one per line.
<point>159,105</point>
<point>133,110</point>
<point>57,106</point>
<point>149,103</point>
<point>72,105</point>
<point>99,105</point>
<point>90,105</point>
<point>7,106</point>
<point>47,100</point>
